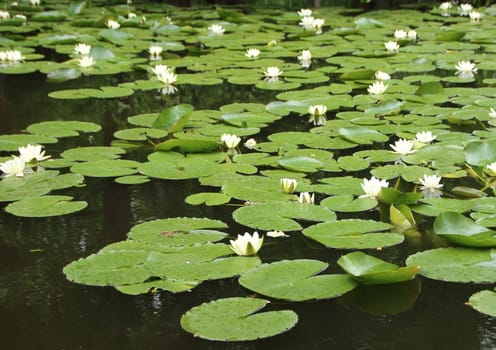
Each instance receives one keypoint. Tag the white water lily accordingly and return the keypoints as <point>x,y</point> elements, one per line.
<point>167,78</point>
<point>492,113</point>
<point>400,34</point>
<point>216,29</point>
<point>246,245</point>
<point>372,187</point>
<point>19,16</point>
<point>112,24</point>
<point>491,169</point>
<point>160,69</point>
<point>305,58</point>
<point>306,198</point>
<point>231,141</point>
<point>82,49</point>
<point>317,25</point>
<point>168,90</point>
<point>392,46</point>
<point>377,88</point>
<point>465,69</point>
<point>131,15</point>
<point>403,147</point>
<point>431,186</point>
<point>250,143</point>
<point>465,9</point>
<point>252,53</point>
<point>276,234</point>
<point>4,14</point>
<point>317,109</point>
<point>35,2</point>
<point>86,62</point>
<point>411,35</point>
<point>14,166</point>
<point>307,22</point>
<point>155,52</point>
<point>445,6</point>
<point>272,73</point>
<point>288,185</point>
<point>32,153</point>
<point>305,12</point>
<point>425,137</point>
<point>475,16</point>
<point>11,56</point>
<point>380,75</point>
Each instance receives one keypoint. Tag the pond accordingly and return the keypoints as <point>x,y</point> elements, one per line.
<point>116,240</point>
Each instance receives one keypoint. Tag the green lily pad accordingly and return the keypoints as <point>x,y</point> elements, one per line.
<point>13,142</point>
<point>235,319</point>
<point>37,207</point>
<point>92,153</point>
<point>347,203</point>
<point>480,153</point>
<point>484,302</point>
<point>362,135</point>
<point>463,265</point>
<point>280,215</point>
<point>173,119</point>
<point>140,134</point>
<point>296,280</point>
<point>106,168</point>
<point>209,198</point>
<point>62,128</point>
<point>370,270</point>
<point>353,234</point>
<point>461,230</point>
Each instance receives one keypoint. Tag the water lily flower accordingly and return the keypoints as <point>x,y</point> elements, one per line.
<point>307,22</point>
<point>168,90</point>
<point>403,147</point>
<point>216,29</point>
<point>431,186</point>
<point>167,78</point>
<point>492,113</point>
<point>86,62</point>
<point>276,234</point>
<point>465,9</point>
<point>372,187</point>
<point>305,58</point>
<point>465,69</point>
<point>32,153</point>
<point>445,6</point>
<point>412,35</point>
<point>169,20</point>
<point>392,46</point>
<point>317,25</point>
<point>111,24</point>
<point>317,109</point>
<point>425,137</point>
<point>246,245</point>
<point>155,52</point>
<point>305,13</point>
<point>306,198</point>
<point>131,15</point>
<point>35,2</point>
<point>252,53</point>
<point>475,16</point>
<point>250,143</point>
<point>377,88</point>
<point>272,73</point>
<point>82,49</point>
<point>4,14</point>
<point>14,166</point>
<point>11,56</point>
<point>231,141</point>
<point>160,69</point>
<point>491,169</point>
<point>400,34</point>
<point>288,185</point>
<point>380,75</point>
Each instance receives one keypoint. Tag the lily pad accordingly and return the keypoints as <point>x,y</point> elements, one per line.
<point>370,270</point>
<point>461,230</point>
<point>353,234</point>
<point>484,302</point>
<point>235,319</point>
<point>37,207</point>
<point>296,280</point>
<point>62,128</point>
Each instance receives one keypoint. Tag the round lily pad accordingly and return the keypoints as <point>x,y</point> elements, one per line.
<point>236,319</point>
<point>296,280</point>
<point>106,168</point>
<point>484,302</point>
<point>62,128</point>
<point>36,207</point>
<point>92,153</point>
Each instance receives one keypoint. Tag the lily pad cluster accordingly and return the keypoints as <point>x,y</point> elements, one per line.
<point>362,127</point>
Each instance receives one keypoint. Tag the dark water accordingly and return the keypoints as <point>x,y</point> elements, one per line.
<point>40,309</point>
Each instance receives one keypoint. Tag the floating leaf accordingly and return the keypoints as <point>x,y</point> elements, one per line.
<point>209,198</point>
<point>296,280</point>
<point>173,119</point>
<point>456,264</point>
<point>353,234</point>
<point>62,128</point>
<point>370,270</point>
<point>484,302</point>
<point>234,319</point>
<point>36,207</point>
<point>461,230</point>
